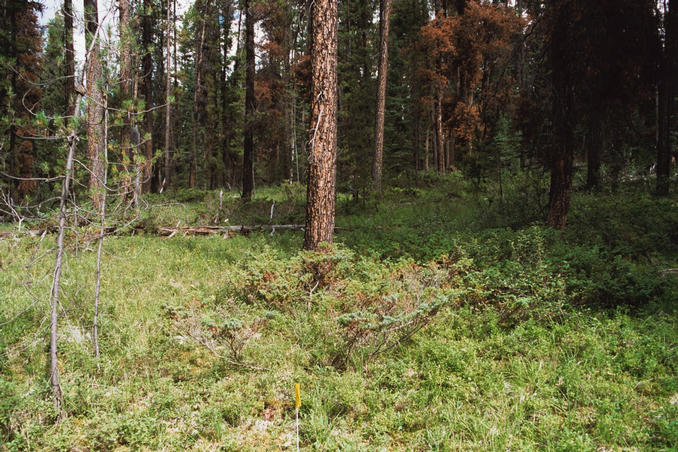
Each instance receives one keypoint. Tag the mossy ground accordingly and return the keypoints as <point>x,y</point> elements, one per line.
<point>530,339</point>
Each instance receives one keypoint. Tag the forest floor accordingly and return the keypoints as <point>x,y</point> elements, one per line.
<point>443,319</point>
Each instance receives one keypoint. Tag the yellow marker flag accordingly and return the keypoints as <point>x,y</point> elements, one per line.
<point>297,388</point>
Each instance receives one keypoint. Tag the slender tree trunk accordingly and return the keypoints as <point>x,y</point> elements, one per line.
<point>440,137</point>
<point>69,55</point>
<point>426,149</point>
<point>95,133</point>
<point>168,105</point>
<point>147,80</point>
<point>248,150</point>
<point>563,117</point>
<point>594,145</point>
<point>197,69</point>
<point>126,87</point>
<point>322,158</point>
<point>666,93</point>
<point>563,154</point>
<point>100,244</point>
<point>225,139</point>
<point>417,143</point>
<point>377,162</point>
<point>54,380</point>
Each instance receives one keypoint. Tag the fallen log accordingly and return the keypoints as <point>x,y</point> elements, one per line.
<point>169,231</point>
<point>31,232</point>
<point>226,230</point>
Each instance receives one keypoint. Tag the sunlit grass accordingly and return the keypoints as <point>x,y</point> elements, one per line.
<point>507,363</point>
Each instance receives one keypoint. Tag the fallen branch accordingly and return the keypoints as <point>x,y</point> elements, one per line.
<point>219,355</point>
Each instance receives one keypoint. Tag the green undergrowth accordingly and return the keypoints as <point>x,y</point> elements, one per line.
<point>431,325</point>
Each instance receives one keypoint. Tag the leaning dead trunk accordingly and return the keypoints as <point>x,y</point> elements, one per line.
<point>54,380</point>
<point>102,231</point>
<point>322,157</point>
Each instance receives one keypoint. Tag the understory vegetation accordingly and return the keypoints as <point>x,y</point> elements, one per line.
<point>444,318</point>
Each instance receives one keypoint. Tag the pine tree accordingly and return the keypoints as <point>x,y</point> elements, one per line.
<point>323,132</point>
<point>20,45</point>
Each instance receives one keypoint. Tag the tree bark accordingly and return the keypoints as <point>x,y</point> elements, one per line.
<point>377,162</point>
<point>95,135</point>
<point>322,158</point>
<point>248,150</point>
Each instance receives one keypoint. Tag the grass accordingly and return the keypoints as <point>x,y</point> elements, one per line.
<point>431,326</point>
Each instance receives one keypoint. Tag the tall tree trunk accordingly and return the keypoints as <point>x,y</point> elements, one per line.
<point>563,117</point>
<point>95,133</point>
<point>147,80</point>
<point>438,149</point>
<point>563,153</point>
<point>666,93</point>
<point>168,106</point>
<point>69,55</point>
<point>126,87</point>
<point>322,160</point>
<point>377,162</point>
<point>248,150</point>
<point>197,88</point>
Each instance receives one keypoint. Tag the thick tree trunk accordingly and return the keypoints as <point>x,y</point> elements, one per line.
<point>666,93</point>
<point>377,162</point>
<point>248,150</point>
<point>322,158</point>
<point>95,110</point>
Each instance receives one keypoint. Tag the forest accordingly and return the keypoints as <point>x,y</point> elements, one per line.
<point>354,225</point>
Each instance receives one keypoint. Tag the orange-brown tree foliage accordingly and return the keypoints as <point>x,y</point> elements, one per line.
<point>470,55</point>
